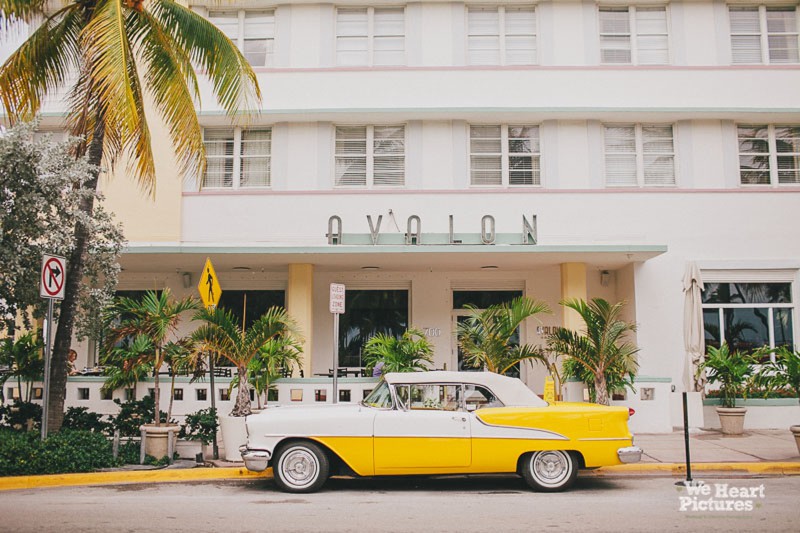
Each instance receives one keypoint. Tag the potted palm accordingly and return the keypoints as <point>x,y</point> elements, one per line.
<point>486,335</point>
<point>601,354</point>
<point>411,352</point>
<point>222,335</point>
<point>782,373</point>
<point>147,324</point>
<point>277,357</point>
<point>731,370</point>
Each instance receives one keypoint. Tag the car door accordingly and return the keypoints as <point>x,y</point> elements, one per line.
<point>428,432</point>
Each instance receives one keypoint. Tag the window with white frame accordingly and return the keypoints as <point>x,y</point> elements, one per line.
<point>769,154</point>
<point>764,34</point>
<point>370,156</point>
<point>639,155</point>
<point>504,155</point>
<point>748,316</point>
<point>237,158</point>
<point>370,36</point>
<point>502,35</point>
<point>253,32</point>
<point>634,35</point>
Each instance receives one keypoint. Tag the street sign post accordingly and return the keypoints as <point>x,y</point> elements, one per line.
<point>210,292</point>
<point>336,307</point>
<point>52,280</point>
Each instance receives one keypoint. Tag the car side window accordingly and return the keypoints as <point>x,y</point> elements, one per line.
<point>432,397</point>
<point>477,397</point>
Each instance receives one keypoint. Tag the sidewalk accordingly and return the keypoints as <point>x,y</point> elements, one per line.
<point>757,452</point>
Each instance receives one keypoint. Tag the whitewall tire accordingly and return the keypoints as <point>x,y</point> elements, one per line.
<point>550,471</point>
<point>301,467</point>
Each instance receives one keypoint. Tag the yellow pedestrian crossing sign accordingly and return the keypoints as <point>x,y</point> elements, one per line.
<point>209,288</point>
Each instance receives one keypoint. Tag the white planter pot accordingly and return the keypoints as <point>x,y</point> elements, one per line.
<point>731,419</point>
<point>796,432</point>
<point>234,434</point>
<point>156,439</point>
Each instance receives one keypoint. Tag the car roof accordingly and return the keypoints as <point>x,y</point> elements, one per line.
<point>510,391</point>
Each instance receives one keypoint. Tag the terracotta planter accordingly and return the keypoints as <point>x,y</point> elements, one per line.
<point>731,419</point>
<point>796,432</point>
<point>234,434</point>
<point>156,439</point>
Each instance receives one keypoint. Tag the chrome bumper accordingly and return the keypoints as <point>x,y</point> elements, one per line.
<point>630,454</point>
<point>255,460</point>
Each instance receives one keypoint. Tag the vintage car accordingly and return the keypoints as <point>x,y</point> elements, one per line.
<point>439,423</point>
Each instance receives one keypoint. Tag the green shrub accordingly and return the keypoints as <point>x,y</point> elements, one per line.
<point>64,452</point>
<point>21,416</point>
<point>133,414</point>
<point>200,425</point>
<point>82,419</point>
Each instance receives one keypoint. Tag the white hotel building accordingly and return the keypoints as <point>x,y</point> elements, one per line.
<point>555,149</point>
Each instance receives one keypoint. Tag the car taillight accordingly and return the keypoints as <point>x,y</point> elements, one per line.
<point>631,412</point>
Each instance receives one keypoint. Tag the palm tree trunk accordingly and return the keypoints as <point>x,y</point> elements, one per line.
<point>157,390</point>
<point>66,320</point>
<point>601,389</point>
<point>171,396</point>
<point>242,406</point>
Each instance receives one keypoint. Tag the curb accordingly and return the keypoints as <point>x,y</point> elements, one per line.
<point>233,473</point>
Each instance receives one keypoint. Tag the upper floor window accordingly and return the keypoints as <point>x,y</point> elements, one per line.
<point>237,158</point>
<point>634,35</point>
<point>504,155</point>
<point>253,32</point>
<point>769,155</point>
<point>501,35</point>
<point>639,155</point>
<point>370,36</point>
<point>764,34</point>
<point>368,156</point>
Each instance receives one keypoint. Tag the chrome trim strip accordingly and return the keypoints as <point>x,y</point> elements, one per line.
<point>556,436</point>
<point>606,439</point>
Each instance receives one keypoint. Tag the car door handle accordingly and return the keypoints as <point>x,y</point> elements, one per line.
<point>460,418</point>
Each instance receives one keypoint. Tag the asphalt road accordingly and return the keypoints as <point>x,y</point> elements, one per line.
<point>459,504</point>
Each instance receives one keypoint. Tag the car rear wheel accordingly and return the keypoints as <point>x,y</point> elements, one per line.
<point>301,467</point>
<point>550,471</point>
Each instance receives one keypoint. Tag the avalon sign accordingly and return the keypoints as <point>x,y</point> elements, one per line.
<point>414,235</point>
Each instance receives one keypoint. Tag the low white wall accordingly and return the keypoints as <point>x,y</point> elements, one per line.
<point>761,414</point>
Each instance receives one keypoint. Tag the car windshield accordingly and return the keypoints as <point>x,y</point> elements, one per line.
<point>380,397</point>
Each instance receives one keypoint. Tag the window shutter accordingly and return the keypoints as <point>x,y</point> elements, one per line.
<point>782,34</point>
<point>615,35</point>
<point>389,155</point>
<point>787,140</point>
<point>620,149</point>
<point>256,154</point>
<point>659,155</point>
<point>520,37</point>
<point>745,35</point>
<point>227,22</point>
<point>389,39</point>
<point>484,36</point>
<point>219,157</point>
<point>523,155</point>
<point>486,155</point>
<point>352,37</point>
<point>351,156</point>
<point>652,42</point>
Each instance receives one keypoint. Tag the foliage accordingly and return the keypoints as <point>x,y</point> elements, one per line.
<point>782,374</point>
<point>200,425</point>
<point>485,336</point>
<point>731,370</point>
<point>67,451</point>
<point>24,358</point>
<point>133,414</point>
<point>222,334</point>
<point>617,379</point>
<point>608,359</point>
<point>409,353</point>
<point>149,322</point>
<point>39,177</point>
<point>21,416</point>
<point>279,354</point>
<point>80,418</point>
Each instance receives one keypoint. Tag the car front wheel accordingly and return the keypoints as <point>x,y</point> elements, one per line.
<point>550,471</point>
<point>301,467</point>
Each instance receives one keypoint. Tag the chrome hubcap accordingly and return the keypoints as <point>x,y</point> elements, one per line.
<point>299,467</point>
<point>550,468</point>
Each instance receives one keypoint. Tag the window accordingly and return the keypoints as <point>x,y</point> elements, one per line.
<point>634,35</point>
<point>370,156</point>
<point>748,316</point>
<point>320,395</point>
<point>429,397</point>
<point>504,155</point>
<point>480,299</point>
<point>253,32</point>
<point>224,395</point>
<point>639,155</point>
<point>237,158</point>
<point>763,34</point>
<point>83,393</point>
<point>370,36</point>
<point>477,397</point>
<point>254,303</point>
<point>177,395</point>
<point>501,35</point>
<point>368,312</point>
<point>769,155</point>
<point>201,395</point>
<point>106,394</point>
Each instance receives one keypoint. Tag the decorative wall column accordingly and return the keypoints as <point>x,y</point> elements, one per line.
<point>299,304</point>
<point>573,285</point>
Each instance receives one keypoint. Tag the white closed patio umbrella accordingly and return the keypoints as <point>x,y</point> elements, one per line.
<point>693,331</point>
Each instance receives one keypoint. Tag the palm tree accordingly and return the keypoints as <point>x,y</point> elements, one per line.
<point>600,350</point>
<point>150,322</point>
<point>23,357</point>
<point>112,53</point>
<point>404,354</point>
<point>485,336</point>
<point>277,357</point>
<point>223,335</point>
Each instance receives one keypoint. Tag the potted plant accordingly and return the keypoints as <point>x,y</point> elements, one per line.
<point>731,370</point>
<point>410,352</point>
<point>601,354</point>
<point>222,335</point>
<point>278,356</point>
<point>200,426</point>
<point>486,335</point>
<point>147,324</point>
<point>780,374</point>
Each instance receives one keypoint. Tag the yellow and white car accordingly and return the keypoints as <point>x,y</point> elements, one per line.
<point>439,423</point>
